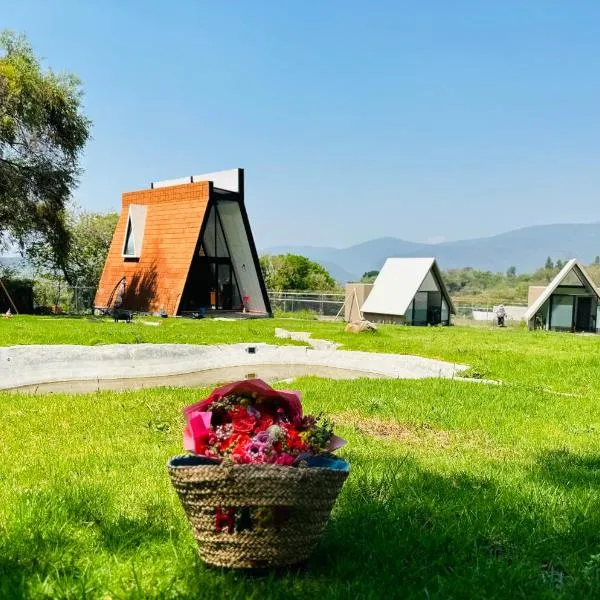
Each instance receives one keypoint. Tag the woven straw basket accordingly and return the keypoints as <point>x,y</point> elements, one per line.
<point>255,516</point>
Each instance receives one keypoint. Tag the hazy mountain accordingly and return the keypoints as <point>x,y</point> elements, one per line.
<point>526,249</point>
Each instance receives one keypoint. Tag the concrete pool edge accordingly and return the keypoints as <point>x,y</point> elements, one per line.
<point>90,368</point>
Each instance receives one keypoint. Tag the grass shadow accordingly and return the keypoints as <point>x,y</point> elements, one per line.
<point>419,534</point>
<point>565,468</point>
<point>54,532</point>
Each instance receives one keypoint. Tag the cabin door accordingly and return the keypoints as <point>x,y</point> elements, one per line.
<point>583,313</point>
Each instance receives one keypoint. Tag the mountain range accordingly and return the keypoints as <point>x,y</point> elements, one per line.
<point>526,249</point>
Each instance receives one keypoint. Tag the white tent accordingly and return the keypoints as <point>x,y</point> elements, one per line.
<point>568,303</point>
<point>411,291</point>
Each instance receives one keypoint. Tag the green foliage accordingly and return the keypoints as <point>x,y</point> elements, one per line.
<point>91,235</point>
<point>471,285</point>
<point>42,135</point>
<point>294,272</point>
<point>369,277</point>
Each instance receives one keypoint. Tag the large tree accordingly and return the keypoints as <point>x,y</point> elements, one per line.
<point>42,134</point>
<point>294,272</point>
<point>90,237</point>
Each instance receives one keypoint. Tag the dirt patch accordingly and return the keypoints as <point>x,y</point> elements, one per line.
<point>392,430</point>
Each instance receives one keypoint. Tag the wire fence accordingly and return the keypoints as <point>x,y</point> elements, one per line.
<point>486,313</point>
<point>52,296</point>
<point>331,304</point>
<point>322,304</point>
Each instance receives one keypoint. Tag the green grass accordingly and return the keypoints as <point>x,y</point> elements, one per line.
<point>489,493</point>
<point>306,315</point>
<point>91,331</point>
<point>470,491</point>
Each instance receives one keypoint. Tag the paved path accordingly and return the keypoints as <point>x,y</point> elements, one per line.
<point>139,365</point>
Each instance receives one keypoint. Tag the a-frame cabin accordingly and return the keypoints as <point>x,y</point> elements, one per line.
<point>183,247</point>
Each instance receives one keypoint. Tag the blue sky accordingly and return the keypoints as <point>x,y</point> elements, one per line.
<point>423,120</point>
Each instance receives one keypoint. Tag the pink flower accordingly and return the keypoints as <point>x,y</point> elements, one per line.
<point>256,452</point>
<point>284,459</point>
<point>262,437</point>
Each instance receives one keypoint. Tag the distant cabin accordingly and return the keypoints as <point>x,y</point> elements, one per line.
<point>408,291</point>
<point>185,246</point>
<point>568,303</point>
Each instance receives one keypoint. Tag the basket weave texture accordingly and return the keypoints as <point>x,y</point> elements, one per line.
<point>255,516</point>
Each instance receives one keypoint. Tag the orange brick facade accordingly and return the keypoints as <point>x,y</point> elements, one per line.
<point>157,279</point>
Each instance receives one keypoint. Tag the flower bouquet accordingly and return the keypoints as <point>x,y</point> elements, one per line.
<point>261,481</point>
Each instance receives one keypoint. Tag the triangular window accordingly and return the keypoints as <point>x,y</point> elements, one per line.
<point>572,279</point>
<point>129,249</point>
<point>134,234</point>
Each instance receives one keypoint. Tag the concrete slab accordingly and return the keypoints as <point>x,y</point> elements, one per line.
<point>86,368</point>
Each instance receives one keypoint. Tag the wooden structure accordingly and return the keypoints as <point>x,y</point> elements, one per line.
<point>185,246</point>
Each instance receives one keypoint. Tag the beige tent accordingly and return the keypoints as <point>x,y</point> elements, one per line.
<point>356,294</point>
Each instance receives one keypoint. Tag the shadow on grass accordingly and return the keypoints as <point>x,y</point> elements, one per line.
<point>416,533</point>
<point>565,468</point>
<point>398,530</point>
<point>55,532</point>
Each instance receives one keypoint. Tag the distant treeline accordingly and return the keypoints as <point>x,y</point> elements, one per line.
<point>485,287</point>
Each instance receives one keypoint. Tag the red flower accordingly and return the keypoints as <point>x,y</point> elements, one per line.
<point>250,422</point>
<point>239,454</point>
<point>264,423</point>
<point>243,425</point>
<point>224,519</point>
<point>233,441</point>
<point>293,441</point>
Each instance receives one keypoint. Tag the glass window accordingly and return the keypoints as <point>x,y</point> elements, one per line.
<point>408,317</point>
<point>572,279</point>
<point>445,312</point>
<point>561,316</point>
<point>129,245</point>
<point>208,241</point>
<point>222,250</point>
<point>420,308</point>
<point>214,238</point>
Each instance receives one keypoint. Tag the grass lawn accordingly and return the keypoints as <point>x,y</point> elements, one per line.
<point>457,490</point>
